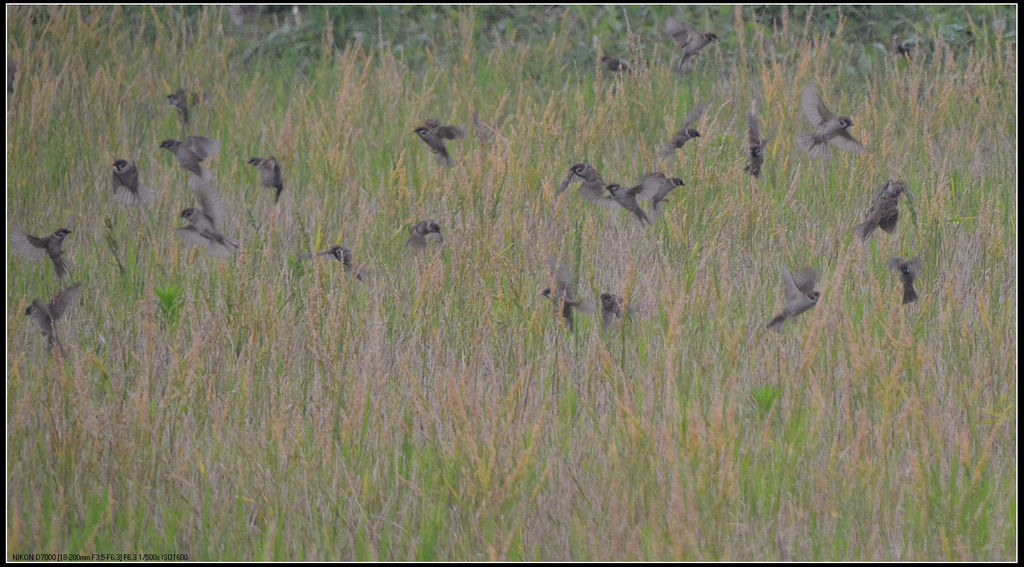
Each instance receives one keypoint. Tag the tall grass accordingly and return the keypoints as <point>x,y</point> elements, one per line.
<point>265,408</point>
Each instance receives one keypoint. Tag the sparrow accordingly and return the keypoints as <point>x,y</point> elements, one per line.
<point>655,187</point>
<point>580,172</point>
<point>615,64</point>
<point>908,270</point>
<point>800,295</point>
<point>593,191</point>
<point>179,99</point>
<point>484,131</point>
<point>685,133</point>
<point>884,210</point>
<point>126,186</point>
<point>205,222</point>
<point>830,128</point>
<point>191,151</point>
<point>46,315</point>
<point>342,255</point>
<point>757,143</point>
<point>434,134</point>
<point>611,310</point>
<point>902,48</point>
<point>564,296</point>
<point>40,247</point>
<point>689,40</point>
<point>270,174</point>
<point>422,231</point>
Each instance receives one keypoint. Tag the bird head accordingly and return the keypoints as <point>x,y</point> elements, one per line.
<point>61,233</point>
<point>188,213</point>
<point>169,144</point>
<point>845,122</point>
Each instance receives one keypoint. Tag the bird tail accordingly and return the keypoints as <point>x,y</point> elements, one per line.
<point>909,294</point>
<point>813,145</point>
<point>864,229</point>
<point>61,267</point>
<point>776,323</point>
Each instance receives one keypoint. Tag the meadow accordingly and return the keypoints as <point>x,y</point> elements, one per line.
<point>262,407</point>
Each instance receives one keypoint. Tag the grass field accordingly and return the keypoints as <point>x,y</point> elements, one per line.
<point>261,407</point>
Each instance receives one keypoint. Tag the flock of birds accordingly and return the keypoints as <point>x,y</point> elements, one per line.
<point>205,222</point>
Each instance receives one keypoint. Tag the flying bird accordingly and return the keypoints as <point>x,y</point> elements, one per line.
<point>655,187</point>
<point>270,174</point>
<point>884,210</point>
<point>37,248</point>
<point>689,40</point>
<point>423,231</point>
<point>687,132</point>
<point>434,134</point>
<point>181,101</point>
<point>580,172</point>
<point>191,151</point>
<point>615,64</point>
<point>908,270</point>
<point>830,128</point>
<point>204,228</point>
<point>126,186</point>
<point>342,255</point>
<point>756,151</point>
<point>564,295</point>
<point>46,314</point>
<point>800,295</point>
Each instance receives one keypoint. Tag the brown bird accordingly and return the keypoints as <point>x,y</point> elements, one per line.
<point>593,191</point>
<point>342,255</point>
<point>191,151</point>
<point>422,231</point>
<point>611,310</point>
<point>270,174</point>
<point>884,210</point>
<point>687,132</point>
<point>434,134</point>
<point>181,101</point>
<point>831,129</point>
<point>126,186</point>
<point>486,132</point>
<point>757,144</point>
<point>655,187</point>
<point>37,248</point>
<point>564,295</point>
<point>908,270</point>
<point>616,65</point>
<point>46,314</point>
<point>580,172</point>
<point>800,295</point>
<point>689,40</point>
<point>205,223</point>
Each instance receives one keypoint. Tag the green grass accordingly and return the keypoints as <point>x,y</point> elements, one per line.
<point>262,408</point>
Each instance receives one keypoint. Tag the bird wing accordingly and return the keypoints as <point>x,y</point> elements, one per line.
<point>680,32</point>
<point>28,245</point>
<point>449,132</point>
<point>694,115</point>
<point>815,110</point>
<point>650,185</point>
<point>805,279</point>
<point>845,141</point>
<point>593,191</point>
<point>202,146</point>
<point>209,200</point>
<point>63,300</point>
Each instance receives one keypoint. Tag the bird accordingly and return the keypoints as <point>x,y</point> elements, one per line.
<point>908,270</point>
<point>655,187</point>
<point>126,186</point>
<point>36,248</point>
<point>687,132</point>
<point>179,99</point>
<point>486,132</point>
<point>616,64</point>
<point>434,134</point>
<point>620,196</point>
<point>564,295</point>
<point>884,210</point>
<point>205,223</point>
<point>191,151</point>
<point>689,40</point>
<point>800,295</point>
<point>46,314</point>
<point>757,143</point>
<point>902,48</point>
<point>611,310</point>
<point>626,199</point>
<point>830,128</point>
<point>270,174</point>
<point>342,255</point>
<point>422,231</point>
<point>580,172</point>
